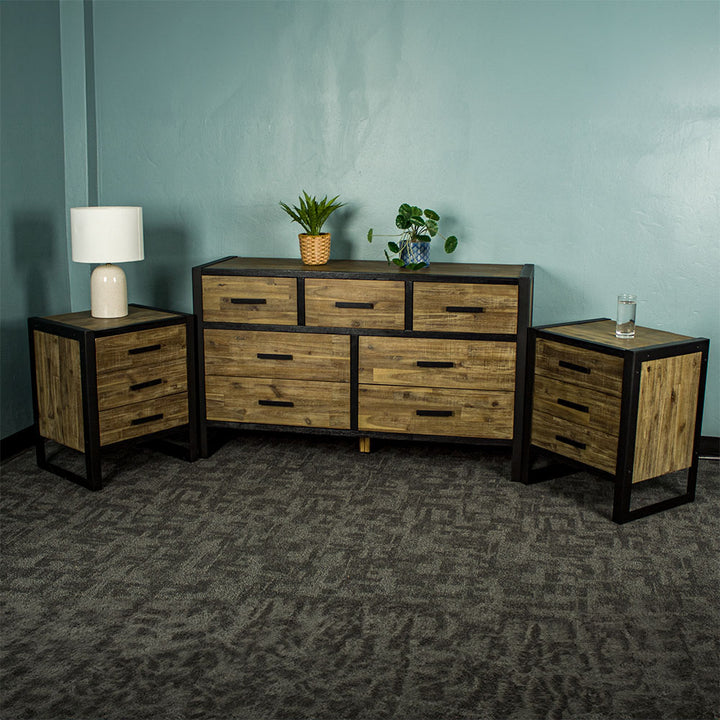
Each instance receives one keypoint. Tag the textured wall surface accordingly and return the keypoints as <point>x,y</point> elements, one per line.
<point>582,137</point>
<point>34,265</point>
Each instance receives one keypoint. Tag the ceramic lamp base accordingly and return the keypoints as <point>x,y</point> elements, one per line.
<point>108,292</point>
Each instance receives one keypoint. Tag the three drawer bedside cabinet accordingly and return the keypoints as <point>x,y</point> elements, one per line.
<point>363,348</point>
<point>100,381</point>
<point>630,409</point>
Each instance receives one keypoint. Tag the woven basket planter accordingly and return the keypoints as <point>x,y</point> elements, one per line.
<point>314,249</point>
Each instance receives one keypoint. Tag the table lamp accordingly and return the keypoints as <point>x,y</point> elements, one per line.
<point>107,235</point>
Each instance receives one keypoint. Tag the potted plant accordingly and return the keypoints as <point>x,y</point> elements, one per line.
<point>311,214</point>
<point>418,227</point>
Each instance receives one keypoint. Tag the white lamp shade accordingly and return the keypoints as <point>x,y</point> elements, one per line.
<point>106,234</point>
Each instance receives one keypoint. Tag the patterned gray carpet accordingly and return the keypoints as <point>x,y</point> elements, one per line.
<point>293,577</point>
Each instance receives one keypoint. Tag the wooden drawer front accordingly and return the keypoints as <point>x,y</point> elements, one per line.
<point>143,418</point>
<point>137,349</point>
<point>577,405</point>
<point>298,356</point>
<point>278,402</point>
<point>433,411</point>
<point>426,362</point>
<point>256,300</point>
<point>574,441</point>
<point>124,387</point>
<point>355,303</point>
<point>579,366</point>
<point>458,307</point>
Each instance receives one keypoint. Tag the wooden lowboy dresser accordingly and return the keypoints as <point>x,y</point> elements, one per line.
<point>364,349</point>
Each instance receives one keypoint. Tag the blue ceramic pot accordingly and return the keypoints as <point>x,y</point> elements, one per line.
<point>416,252</point>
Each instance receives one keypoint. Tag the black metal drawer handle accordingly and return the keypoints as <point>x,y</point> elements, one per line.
<point>147,384</point>
<point>149,418</point>
<point>464,309</point>
<point>356,305</point>
<point>435,364</point>
<point>248,301</point>
<point>434,413</point>
<point>573,443</point>
<point>573,405</point>
<point>146,349</point>
<point>572,366</point>
<point>273,356</point>
<point>276,403</point>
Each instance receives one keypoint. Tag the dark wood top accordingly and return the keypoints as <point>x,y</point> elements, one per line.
<point>603,333</point>
<point>294,266</point>
<point>137,315</point>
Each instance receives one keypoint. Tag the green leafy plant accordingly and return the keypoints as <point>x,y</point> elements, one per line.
<point>417,225</point>
<point>311,214</point>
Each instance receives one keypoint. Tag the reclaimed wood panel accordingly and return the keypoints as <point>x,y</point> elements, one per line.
<point>435,362</point>
<point>569,439</point>
<point>435,411</point>
<point>58,377</point>
<point>603,333</point>
<point>139,348</point>
<point>146,382</point>
<point>256,300</point>
<point>578,405</point>
<point>355,303</point>
<point>302,403</point>
<point>277,354</point>
<point>578,366</point>
<point>373,267</point>
<point>667,406</point>
<point>143,418</point>
<point>86,321</point>
<point>465,307</point>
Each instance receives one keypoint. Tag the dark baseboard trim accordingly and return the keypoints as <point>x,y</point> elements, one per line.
<point>16,443</point>
<point>709,447</point>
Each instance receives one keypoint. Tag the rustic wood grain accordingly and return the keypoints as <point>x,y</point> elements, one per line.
<point>578,405</point>
<point>279,294</point>
<point>375,267</point>
<point>117,423</point>
<point>121,387</point>
<point>314,356</point>
<point>140,348</point>
<point>85,321</point>
<point>604,371</point>
<point>499,305</point>
<point>59,389</point>
<point>387,300</point>
<point>603,333</point>
<point>666,415</point>
<point>315,404</point>
<point>478,414</point>
<point>476,365</point>
<point>600,449</point>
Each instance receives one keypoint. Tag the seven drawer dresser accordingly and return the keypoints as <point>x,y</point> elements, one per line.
<point>364,349</point>
<point>99,381</point>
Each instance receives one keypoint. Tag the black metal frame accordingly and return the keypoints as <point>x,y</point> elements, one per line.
<point>91,416</point>
<point>525,301</point>
<point>633,360</point>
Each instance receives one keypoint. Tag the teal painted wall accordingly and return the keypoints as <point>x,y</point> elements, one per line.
<point>34,260</point>
<point>581,136</point>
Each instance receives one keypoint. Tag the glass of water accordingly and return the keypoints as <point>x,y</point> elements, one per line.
<point>626,307</point>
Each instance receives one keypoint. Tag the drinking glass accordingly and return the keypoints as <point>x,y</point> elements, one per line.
<point>626,307</point>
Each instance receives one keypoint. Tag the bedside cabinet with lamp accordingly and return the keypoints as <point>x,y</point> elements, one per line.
<point>115,372</point>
